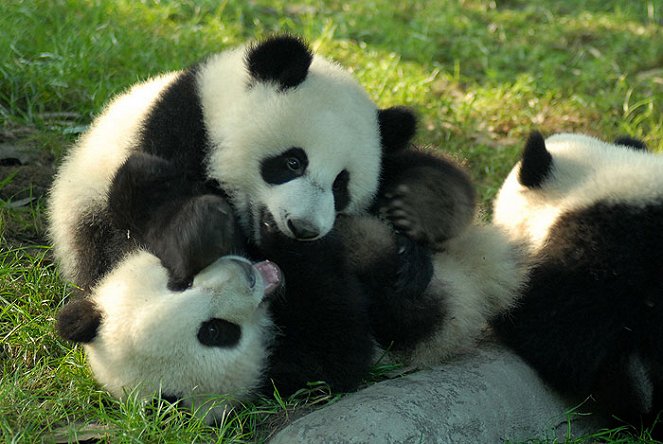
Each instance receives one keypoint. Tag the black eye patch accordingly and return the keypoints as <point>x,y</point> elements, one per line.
<point>340,189</point>
<point>285,167</point>
<point>219,333</point>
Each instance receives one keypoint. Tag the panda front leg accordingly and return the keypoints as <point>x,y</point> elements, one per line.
<point>395,272</point>
<point>186,226</point>
<point>321,316</point>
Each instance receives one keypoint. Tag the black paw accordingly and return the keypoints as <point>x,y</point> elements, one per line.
<point>415,267</point>
<point>400,210</point>
<point>428,210</point>
<point>192,236</point>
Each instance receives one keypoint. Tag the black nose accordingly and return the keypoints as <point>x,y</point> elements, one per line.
<point>302,229</point>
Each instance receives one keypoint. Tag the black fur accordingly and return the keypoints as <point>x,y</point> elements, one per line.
<point>322,317</point>
<point>397,127</point>
<point>536,162</point>
<point>283,59</point>
<point>78,321</point>
<point>174,128</point>
<point>591,319</point>
<point>340,190</point>
<point>426,196</point>
<point>99,245</point>
<point>395,272</point>
<point>179,221</point>
<point>631,142</point>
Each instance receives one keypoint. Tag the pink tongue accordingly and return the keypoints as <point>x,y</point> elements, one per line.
<point>271,275</point>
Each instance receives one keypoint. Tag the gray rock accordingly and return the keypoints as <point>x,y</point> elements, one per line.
<point>487,396</point>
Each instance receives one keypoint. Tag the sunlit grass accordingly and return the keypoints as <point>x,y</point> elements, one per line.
<point>480,75</point>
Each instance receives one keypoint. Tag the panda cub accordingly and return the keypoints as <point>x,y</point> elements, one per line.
<point>190,347</point>
<point>590,319</point>
<point>254,152</point>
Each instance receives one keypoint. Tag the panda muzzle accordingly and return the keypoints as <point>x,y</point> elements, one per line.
<point>271,274</point>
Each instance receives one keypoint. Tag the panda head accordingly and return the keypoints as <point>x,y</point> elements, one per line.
<point>294,138</point>
<point>570,172</point>
<point>208,341</point>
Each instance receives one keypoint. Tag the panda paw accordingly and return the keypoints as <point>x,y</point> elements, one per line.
<point>201,230</point>
<point>400,210</point>
<point>415,267</point>
<point>425,212</point>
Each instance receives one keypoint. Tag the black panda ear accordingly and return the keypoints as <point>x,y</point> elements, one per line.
<point>78,321</point>
<point>397,128</point>
<point>631,142</point>
<point>536,162</point>
<point>281,59</point>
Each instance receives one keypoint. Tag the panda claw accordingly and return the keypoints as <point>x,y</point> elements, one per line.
<point>398,213</point>
<point>397,203</point>
<point>402,189</point>
<point>404,223</point>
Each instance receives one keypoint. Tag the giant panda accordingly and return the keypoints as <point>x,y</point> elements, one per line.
<point>254,152</point>
<point>590,319</point>
<point>204,348</point>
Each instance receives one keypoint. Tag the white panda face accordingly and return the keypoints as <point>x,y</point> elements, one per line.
<point>567,172</point>
<point>294,157</point>
<point>209,340</point>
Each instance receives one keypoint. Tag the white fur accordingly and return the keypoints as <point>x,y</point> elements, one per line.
<point>329,115</point>
<point>585,170</point>
<point>147,341</point>
<point>478,274</point>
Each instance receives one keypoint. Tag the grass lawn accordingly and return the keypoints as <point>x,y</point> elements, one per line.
<point>480,74</point>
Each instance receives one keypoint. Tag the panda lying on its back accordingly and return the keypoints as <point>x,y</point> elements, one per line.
<point>590,320</point>
<point>189,346</point>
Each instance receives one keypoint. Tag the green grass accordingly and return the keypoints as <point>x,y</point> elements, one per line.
<point>480,74</point>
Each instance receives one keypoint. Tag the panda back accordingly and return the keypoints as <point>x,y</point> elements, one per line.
<point>80,188</point>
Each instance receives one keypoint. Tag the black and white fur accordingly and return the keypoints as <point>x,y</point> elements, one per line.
<point>590,319</point>
<point>231,336</point>
<point>288,137</point>
<point>190,346</point>
<point>279,142</point>
<point>442,300</point>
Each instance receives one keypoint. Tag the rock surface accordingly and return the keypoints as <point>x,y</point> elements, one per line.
<point>487,396</point>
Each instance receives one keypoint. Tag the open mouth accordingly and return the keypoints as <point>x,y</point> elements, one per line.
<point>271,274</point>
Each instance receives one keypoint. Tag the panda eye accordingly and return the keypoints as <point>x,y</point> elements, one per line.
<point>293,164</point>
<point>219,333</point>
<point>284,167</point>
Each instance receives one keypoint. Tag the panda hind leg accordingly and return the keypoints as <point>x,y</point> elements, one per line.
<point>172,216</point>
